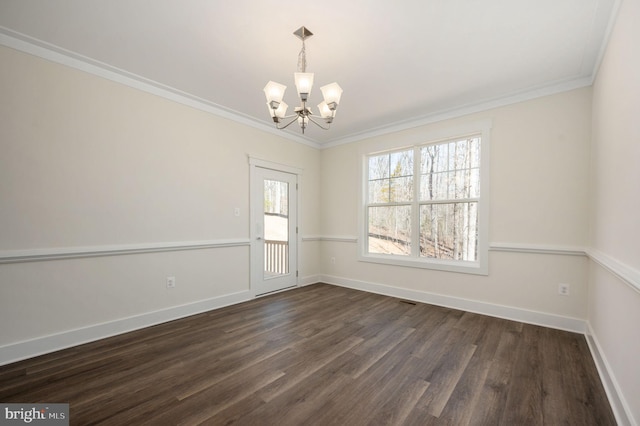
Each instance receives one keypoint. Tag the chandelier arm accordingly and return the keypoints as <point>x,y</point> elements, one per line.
<point>318,124</point>
<point>286,117</point>
<point>295,117</point>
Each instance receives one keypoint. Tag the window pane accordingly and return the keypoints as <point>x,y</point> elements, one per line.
<point>433,186</point>
<point>474,183</point>
<point>449,231</point>
<point>379,167</point>
<point>390,177</point>
<point>450,171</point>
<point>426,159</point>
<point>401,163</point>
<point>466,184</point>
<point>431,158</point>
<point>379,191</point>
<point>401,189</point>
<point>452,155</point>
<point>441,159</point>
<point>389,230</point>
<point>474,152</point>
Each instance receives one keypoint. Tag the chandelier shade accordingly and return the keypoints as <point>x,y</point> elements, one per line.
<point>331,93</point>
<point>274,92</point>
<point>279,112</point>
<point>325,111</point>
<point>304,83</point>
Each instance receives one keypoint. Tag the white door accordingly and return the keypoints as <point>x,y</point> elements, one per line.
<point>274,258</point>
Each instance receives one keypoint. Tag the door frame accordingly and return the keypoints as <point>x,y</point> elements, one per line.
<point>256,211</point>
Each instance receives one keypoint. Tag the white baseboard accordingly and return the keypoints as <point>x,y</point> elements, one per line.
<point>616,398</point>
<point>507,312</point>
<point>39,346</point>
<point>308,280</point>
<point>42,345</point>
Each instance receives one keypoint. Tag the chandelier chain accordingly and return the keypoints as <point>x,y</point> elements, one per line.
<point>302,59</point>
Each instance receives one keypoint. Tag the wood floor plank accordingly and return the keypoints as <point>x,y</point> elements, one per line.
<point>374,386</point>
<point>322,355</point>
<point>493,397</point>
<point>308,364</point>
<point>399,403</point>
<point>524,398</point>
<point>373,354</point>
<point>298,404</point>
<point>579,383</point>
<point>446,377</point>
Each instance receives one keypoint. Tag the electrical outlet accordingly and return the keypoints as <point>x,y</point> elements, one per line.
<point>563,289</point>
<point>333,260</point>
<point>171,282</point>
<point>236,212</point>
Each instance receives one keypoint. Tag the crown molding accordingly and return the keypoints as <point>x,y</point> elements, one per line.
<point>53,53</point>
<point>460,111</point>
<point>615,9</point>
<point>585,79</point>
<point>62,56</point>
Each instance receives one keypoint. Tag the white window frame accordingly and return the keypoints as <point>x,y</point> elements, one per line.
<point>478,267</point>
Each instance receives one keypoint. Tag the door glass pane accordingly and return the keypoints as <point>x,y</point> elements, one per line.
<point>276,228</point>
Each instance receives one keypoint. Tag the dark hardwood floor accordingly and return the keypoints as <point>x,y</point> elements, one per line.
<point>322,355</point>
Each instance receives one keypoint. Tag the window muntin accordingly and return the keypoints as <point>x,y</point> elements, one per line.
<point>427,209</point>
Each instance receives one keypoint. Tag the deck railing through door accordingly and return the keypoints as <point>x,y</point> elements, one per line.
<point>276,257</point>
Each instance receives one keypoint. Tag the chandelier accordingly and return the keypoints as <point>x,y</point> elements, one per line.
<point>304,80</point>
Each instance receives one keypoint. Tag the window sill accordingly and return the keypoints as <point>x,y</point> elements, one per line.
<point>475,268</point>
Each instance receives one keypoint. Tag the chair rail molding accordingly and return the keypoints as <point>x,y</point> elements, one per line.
<point>630,276</point>
<point>55,253</point>
<point>538,248</point>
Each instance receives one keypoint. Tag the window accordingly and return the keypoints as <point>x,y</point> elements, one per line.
<point>424,205</point>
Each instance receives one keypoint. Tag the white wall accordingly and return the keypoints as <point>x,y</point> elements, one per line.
<point>539,197</point>
<point>87,162</point>
<point>614,302</point>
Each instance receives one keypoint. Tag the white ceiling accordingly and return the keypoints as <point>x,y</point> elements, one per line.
<point>400,63</point>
